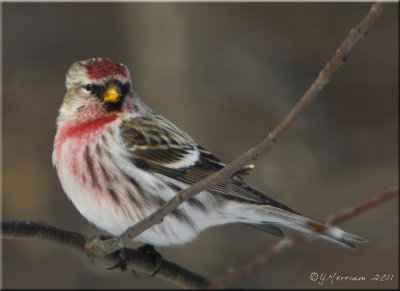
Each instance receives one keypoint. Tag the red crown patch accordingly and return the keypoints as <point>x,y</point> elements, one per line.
<point>99,69</point>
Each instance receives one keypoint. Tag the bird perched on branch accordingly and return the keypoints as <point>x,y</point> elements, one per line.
<point>118,161</point>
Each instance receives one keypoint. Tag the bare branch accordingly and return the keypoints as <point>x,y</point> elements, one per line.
<point>136,259</point>
<point>105,247</point>
<point>287,244</point>
<point>350,212</point>
<point>169,271</point>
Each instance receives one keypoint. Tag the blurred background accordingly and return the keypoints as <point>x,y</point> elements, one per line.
<point>226,73</point>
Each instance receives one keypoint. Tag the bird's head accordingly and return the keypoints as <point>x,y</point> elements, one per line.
<point>96,87</point>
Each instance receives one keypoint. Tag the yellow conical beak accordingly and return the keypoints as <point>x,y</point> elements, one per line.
<point>111,95</point>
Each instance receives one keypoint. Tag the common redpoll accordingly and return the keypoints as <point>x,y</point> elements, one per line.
<point>118,161</point>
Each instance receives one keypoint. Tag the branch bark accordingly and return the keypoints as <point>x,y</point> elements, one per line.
<point>135,259</point>
<point>106,247</point>
<point>170,271</point>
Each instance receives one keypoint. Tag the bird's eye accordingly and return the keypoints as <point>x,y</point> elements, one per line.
<point>89,87</point>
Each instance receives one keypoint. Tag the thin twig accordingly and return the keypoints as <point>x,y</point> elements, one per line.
<point>135,259</point>
<point>286,244</point>
<point>105,247</point>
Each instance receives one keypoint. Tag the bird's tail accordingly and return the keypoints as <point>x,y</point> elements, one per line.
<point>304,224</point>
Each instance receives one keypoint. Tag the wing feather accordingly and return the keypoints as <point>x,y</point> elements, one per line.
<point>159,146</point>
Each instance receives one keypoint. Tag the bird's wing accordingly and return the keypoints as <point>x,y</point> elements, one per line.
<point>157,145</point>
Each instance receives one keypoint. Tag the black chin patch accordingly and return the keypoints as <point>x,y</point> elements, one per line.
<point>113,106</point>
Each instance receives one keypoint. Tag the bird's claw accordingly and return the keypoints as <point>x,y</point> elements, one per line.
<point>148,249</point>
<point>121,264</point>
<point>155,256</point>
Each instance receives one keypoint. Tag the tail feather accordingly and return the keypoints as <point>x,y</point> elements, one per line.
<point>337,235</point>
<point>304,224</point>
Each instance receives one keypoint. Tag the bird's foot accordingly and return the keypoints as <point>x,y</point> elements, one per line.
<point>147,249</point>
<point>122,260</point>
<point>156,257</point>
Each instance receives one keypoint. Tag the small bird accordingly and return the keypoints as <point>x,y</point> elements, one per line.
<point>118,161</point>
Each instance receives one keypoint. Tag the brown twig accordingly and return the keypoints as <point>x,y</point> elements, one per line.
<point>287,244</point>
<point>350,212</point>
<point>105,247</point>
<point>135,259</point>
